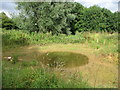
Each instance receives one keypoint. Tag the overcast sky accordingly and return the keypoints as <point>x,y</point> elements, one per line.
<point>9,7</point>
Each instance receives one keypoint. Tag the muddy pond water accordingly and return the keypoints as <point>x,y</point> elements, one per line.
<point>51,59</point>
<point>63,59</point>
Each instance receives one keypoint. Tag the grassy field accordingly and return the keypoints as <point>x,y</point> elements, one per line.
<point>25,70</point>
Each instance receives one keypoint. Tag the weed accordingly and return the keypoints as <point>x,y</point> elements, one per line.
<point>18,76</point>
<point>14,59</point>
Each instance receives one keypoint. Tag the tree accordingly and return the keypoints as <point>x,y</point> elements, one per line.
<point>45,17</point>
<point>116,21</point>
<point>66,18</point>
<point>7,23</point>
<point>96,19</point>
<point>78,12</point>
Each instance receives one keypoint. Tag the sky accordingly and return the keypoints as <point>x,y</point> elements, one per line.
<point>9,7</point>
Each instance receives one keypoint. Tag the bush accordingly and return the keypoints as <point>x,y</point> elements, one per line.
<point>18,37</point>
<point>14,37</point>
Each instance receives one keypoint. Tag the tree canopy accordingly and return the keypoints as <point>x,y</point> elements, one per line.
<point>47,16</point>
<point>64,17</point>
<point>6,22</point>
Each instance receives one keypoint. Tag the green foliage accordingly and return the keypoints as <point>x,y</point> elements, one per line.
<point>6,22</point>
<point>30,74</point>
<point>64,18</point>
<point>17,76</point>
<point>34,63</point>
<point>25,64</point>
<point>96,19</point>
<point>30,63</point>
<point>14,59</point>
<point>46,17</point>
<point>104,42</point>
<point>13,37</point>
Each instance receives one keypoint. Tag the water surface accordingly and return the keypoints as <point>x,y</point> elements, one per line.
<point>51,59</point>
<point>64,59</point>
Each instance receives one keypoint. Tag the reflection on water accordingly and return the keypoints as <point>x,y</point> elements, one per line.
<point>64,59</point>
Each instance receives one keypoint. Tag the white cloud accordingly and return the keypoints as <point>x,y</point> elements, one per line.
<point>109,4</point>
<point>8,8</point>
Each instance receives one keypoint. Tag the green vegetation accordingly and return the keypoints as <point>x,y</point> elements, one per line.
<point>29,75</point>
<point>7,22</point>
<point>95,40</point>
<point>13,37</point>
<point>26,74</point>
<point>51,26</point>
<point>64,18</point>
<point>97,19</point>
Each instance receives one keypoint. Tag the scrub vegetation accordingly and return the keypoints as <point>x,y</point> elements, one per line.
<point>60,30</point>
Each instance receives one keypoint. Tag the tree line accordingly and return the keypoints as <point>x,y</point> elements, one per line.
<point>63,18</point>
<point>6,22</point>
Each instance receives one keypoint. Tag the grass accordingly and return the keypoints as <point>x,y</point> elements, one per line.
<point>103,42</point>
<point>21,75</point>
<point>18,37</point>
<point>31,73</point>
<point>13,37</point>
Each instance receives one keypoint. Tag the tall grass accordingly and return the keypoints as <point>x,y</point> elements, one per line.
<point>14,37</point>
<point>104,42</point>
<point>95,40</point>
<point>34,76</point>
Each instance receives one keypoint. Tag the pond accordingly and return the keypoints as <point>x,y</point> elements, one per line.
<point>64,59</point>
<point>58,59</point>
